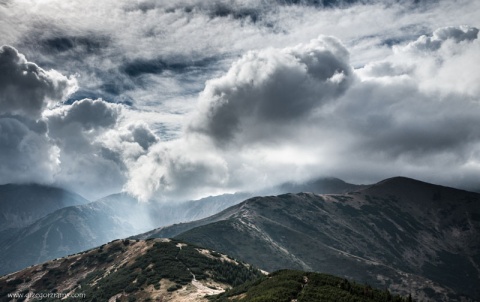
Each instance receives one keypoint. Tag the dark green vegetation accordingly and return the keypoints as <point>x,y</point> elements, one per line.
<point>287,285</point>
<point>130,269</point>
<point>402,234</point>
<point>166,260</point>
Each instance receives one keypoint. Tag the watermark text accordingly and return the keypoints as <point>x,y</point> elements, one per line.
<point>41,296</point>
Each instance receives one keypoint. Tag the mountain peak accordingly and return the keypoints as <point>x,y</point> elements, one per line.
<point>404,186</point>
<point>23,204</point>
<point>402,180</point>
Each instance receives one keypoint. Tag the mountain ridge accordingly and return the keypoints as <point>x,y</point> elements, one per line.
<point>23,204</point>
<point>76,228</point>
<point>429,234</point>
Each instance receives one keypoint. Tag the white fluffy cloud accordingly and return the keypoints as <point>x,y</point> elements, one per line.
<point>273,88</point>
<point>183,169</point>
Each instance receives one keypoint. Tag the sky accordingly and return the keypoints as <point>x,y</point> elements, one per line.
<point>177,100</point>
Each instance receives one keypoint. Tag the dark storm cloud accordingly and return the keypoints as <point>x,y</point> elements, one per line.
<point>273,87</point>
<point>27,89</point>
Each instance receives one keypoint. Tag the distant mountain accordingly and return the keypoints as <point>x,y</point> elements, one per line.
<point>73,229</point>
<point>21,205</point>
<point>403,234</point>
<point>324,185</point>
<point>299,286</point>
<point>128,270</point>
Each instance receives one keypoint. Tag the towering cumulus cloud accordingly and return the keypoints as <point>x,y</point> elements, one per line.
<point>263,94</point>
<point>27,154</point>
<point>82,146</point>
<point>27,89</point>
<point>272,87</point>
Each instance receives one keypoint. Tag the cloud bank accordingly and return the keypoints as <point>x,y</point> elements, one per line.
<point>305,110</point>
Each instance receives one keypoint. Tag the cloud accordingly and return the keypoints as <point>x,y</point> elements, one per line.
<point>26,152</point>
<point>273,87</point>
<point>441,35</point>
<point>178,170</point>
<point>414,112</point>
<point>84,146</point>
<point>304,110</point>
<point>27,89</point>
<point>404,95</point>
<point>87,114</point>
<point>88,166</point>
<point>132,63</point>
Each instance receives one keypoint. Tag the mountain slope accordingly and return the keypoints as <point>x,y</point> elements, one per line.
<point>73,229</point>
<point>319,186</point>
<point>21,205</point>
<point>67,231</point>
<point>401,233</point>
<point>161,269</point>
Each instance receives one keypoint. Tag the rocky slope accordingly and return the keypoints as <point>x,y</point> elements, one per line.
<point>403,234</point>
<point>129,270</point>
